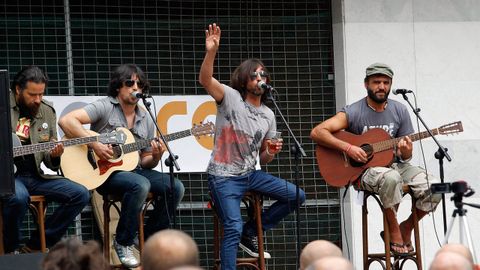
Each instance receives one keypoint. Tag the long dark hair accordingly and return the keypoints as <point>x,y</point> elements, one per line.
<point>241,76</point>
<point>72,254</point>
<point>123,73</point>
<point>29,74</point>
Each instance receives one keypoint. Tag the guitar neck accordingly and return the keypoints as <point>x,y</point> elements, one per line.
<point>389,144</point>
<point>140,144</point>
<point>41,147</point>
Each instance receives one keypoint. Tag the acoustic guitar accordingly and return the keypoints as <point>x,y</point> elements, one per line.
<point>113,137</point>
<point>81,165</point>
<point>338,169</point>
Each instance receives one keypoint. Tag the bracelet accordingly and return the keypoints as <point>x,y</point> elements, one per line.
<point>348,148</point>
<point>268,153</point>
<point>400,160</point>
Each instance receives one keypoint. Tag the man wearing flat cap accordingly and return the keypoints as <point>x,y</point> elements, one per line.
<point>376,110</point>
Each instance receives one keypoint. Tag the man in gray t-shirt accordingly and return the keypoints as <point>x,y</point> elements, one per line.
<point>120,110</point>
<point>377,111</point>
<point>244,128</point>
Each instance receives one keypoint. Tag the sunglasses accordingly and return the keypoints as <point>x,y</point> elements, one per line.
<point>262,74</point>
<point>130,83</point>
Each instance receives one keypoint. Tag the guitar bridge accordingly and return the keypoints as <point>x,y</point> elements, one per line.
<point>346,162</point>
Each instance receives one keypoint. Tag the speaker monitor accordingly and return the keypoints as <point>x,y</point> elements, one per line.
<point>7,182</point>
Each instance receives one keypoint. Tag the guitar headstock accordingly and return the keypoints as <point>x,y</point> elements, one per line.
<point>451,128</point>
<point>203,129</point>
<point>114,137</point>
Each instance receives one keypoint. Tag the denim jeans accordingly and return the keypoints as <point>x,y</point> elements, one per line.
<point>134,187</point>
<point>227,193</point>
<point>72,196</point>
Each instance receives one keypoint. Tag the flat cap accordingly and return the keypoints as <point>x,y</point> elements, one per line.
<point>379,68</point>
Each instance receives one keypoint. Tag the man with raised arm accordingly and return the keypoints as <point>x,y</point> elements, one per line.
<point>244,128</point>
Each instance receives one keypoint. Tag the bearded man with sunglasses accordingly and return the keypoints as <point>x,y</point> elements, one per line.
<point>120,109</point>
<point>244,128</point>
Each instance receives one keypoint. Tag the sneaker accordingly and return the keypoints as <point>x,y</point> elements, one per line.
<point>15,252</point>
<point>136,243</point>
<point>250,245</point>
<point>125,254</point>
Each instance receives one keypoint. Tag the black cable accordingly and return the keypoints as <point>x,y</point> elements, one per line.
<point>426,173</point>
<point>343,217</point>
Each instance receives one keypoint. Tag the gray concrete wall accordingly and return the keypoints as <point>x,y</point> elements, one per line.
<point>433,47</point>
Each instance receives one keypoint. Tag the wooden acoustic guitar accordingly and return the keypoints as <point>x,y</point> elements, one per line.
<point>113,137</point>
<point>81,165</point>
<point>338,169</point>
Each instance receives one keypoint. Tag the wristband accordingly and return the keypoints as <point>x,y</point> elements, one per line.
<point>400,160</point>
<point>348,148</point>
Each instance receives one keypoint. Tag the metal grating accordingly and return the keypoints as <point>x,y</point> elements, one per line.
<point>79,44</point>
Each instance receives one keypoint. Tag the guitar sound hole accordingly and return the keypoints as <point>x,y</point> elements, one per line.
<point>117,151</point>
<point>369,150</point>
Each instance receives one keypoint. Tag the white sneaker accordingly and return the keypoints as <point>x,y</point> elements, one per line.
<point>125,254</point>
<point>250,246</point>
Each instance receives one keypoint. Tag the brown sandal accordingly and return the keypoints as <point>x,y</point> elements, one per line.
<point>409,247</point>
<point>395,245</point>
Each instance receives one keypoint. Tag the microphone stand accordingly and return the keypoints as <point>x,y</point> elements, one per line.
<point>440,154</point>
<point>170,162</point>
<point>296,150</point>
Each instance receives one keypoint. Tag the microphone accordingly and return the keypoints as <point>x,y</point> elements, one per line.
<point>137,94</point>
<point>401,91</point>
<point>264,86</point>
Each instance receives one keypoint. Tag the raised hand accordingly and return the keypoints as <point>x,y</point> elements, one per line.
<point>212,37</point>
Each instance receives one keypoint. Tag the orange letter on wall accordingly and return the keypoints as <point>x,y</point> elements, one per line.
<point>204,110</point>
<point>180,107</point>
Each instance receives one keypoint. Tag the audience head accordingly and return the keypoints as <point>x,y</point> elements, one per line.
<point>316,250</point>
<point>331,263</point>
<point>72,254</point>
<point>448,260</point>
<point>459,249</point>
<point>169,248</point>
<point>187,268</point>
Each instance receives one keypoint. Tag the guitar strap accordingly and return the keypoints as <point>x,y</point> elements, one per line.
<point>346,189</point>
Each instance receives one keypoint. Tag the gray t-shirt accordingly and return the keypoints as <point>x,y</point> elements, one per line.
<point>106,115</point>
<point>240,131</point>
<point>394,119</point>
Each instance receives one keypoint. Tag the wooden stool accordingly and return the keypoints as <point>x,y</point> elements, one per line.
<point>38,206</point>
<point>249,199</point>
<point>110,200</point>
<point>399,261</point>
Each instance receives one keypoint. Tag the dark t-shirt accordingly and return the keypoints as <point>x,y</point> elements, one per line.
<point>395,119</point>
<point>25,164</point>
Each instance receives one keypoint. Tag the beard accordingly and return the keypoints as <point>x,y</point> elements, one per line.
<point>377,99</point>
<point>256,91</point>
<point>30,110</point>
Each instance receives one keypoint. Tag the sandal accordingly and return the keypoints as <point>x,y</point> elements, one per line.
<point>409,247</point>
<point>394,246</point>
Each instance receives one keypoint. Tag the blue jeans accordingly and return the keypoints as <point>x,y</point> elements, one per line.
<point>72,196</point>
<point>134,187</point>
<point>227,193</point>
